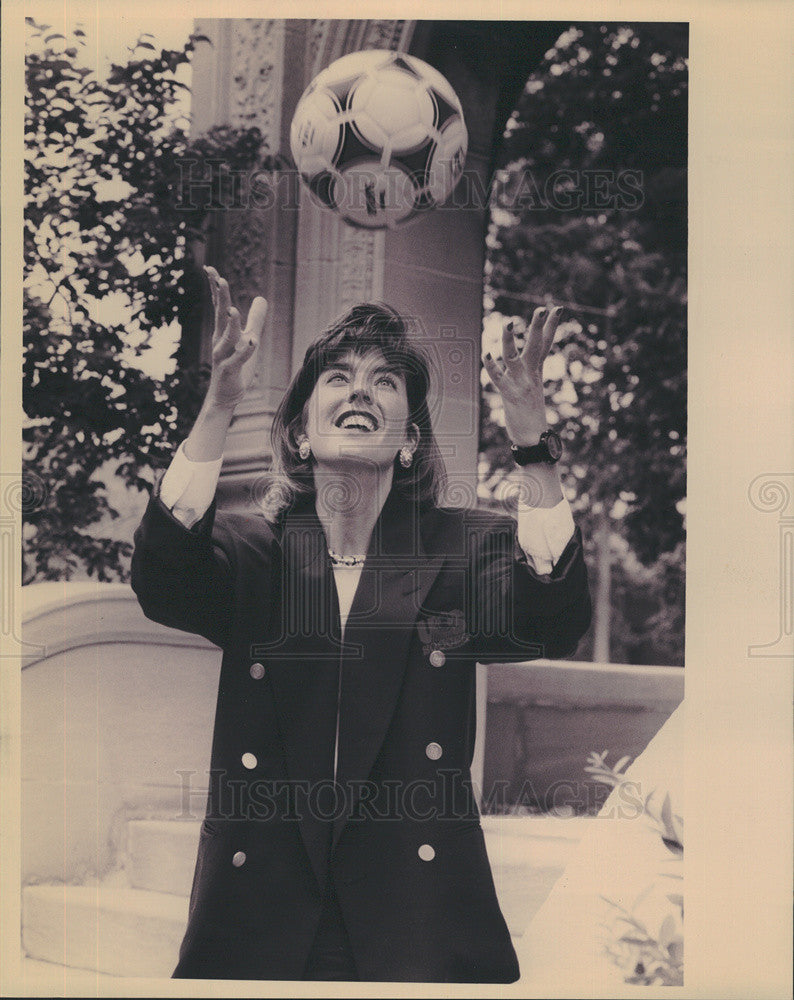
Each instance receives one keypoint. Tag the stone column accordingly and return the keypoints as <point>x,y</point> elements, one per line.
<point>253,76</point>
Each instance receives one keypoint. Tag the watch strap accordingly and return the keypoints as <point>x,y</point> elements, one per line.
<point>534,453</point>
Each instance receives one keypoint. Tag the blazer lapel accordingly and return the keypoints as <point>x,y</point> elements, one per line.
<point>303,667</point>
<point>395,579</point>
<point>305,659</point>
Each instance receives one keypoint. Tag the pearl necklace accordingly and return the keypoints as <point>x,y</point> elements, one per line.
<point>338,560</point>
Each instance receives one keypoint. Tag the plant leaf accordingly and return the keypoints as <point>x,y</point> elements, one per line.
<point>628,939</point>
<point>667,930</point>
<point>667,817</point>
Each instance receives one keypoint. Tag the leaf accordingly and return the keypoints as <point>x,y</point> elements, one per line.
<point>621,763</point>
<point>676,899</point>
<point>643,895</point>
<point>667,930</point>
<point>673,845</point>
<point>611,902</point>
<point>676,950</point>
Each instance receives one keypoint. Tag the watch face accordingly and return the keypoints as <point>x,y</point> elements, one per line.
<point>554,445</point>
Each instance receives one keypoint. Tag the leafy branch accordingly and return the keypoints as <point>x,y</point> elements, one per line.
<point>109,276</point>
<point>648,958</point>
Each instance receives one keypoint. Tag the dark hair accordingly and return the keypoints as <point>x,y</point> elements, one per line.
<point>366,327</point>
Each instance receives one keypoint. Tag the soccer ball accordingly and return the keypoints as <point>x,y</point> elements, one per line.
<point>379,137</point>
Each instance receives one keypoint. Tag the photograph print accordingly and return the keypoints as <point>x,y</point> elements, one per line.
<point>354,508</point>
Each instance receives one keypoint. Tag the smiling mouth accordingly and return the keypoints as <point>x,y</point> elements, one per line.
<point>357,420</point>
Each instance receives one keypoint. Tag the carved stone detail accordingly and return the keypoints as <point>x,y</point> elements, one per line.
<point>256,57</point>
<point>361,259</point>
<point>246,236</point>
<point>381,34</point>
<point>316,44</point>
<point>361,251</point>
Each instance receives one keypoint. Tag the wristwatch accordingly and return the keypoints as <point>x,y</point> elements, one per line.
<point>548,449</point>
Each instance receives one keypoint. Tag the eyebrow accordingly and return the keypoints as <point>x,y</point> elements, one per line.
<point>347,367</point>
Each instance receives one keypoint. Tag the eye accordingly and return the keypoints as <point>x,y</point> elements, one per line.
<point>337,377</point>
<point>389,380</point>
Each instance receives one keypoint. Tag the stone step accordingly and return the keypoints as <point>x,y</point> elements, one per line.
<point>108,928</point>
<point>132,924</point>
<point>45,979</point>
<point>528,855</point>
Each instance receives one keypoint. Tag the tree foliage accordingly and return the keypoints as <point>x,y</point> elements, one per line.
<point>590,210</point>
<point>107,266</point>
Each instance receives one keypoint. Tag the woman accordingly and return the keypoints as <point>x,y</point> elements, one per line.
<point>342,839</point>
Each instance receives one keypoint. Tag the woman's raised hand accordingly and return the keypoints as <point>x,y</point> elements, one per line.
<point>519,376</point>
<point>233,366</point>
<point>233,348</point>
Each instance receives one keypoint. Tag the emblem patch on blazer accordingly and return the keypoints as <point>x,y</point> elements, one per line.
<point>443,631</point>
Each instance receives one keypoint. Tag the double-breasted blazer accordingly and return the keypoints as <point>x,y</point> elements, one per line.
<point>348,763</point>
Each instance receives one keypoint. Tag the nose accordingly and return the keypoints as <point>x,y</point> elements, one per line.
<point>359,390</point>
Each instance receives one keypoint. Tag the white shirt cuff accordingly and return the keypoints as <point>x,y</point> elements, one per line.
<point>543,533</point>
<point>187,488</point>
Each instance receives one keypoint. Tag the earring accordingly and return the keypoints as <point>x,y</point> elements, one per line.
<point>406,457</point>
<point>304,449</point>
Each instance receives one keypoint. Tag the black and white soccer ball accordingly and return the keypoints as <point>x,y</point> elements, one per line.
<point>379,137</point>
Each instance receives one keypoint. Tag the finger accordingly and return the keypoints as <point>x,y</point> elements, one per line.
<point>222,305</point>
<point>510,353</point>
<point>256,317</point>
<point>227,342</point>
<point>246,346</point>
<point>221,316</point>
<point>212,275</point>
<point>550,328</point>
<point>495,371</point>
<point>534,348</point>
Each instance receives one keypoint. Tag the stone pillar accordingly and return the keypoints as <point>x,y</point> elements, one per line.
<point>253,76</point>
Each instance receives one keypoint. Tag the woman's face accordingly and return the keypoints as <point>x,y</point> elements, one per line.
<point>358,411</point>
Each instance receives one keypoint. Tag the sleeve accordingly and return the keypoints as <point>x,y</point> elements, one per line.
<point>543,533</point>
<point>520,614</point>
<point>188,487</point>
<point>184,577</point>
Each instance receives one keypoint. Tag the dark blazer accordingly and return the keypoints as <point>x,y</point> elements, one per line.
<point>398,834</point>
